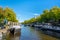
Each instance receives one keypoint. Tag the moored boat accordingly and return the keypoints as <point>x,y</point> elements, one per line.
<point>14,27</point>
<point>51,27</point>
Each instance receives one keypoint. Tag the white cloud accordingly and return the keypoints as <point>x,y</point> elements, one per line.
<point>36,14</point>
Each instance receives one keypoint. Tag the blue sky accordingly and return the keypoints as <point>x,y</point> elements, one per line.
<point>25,9</point>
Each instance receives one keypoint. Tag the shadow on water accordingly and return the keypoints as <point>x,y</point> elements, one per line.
<point>37,34</point>
<point>47,35</point>
<point>13,37</point>
<point>50,33</point>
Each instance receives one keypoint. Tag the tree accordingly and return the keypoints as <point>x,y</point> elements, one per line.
<point>8,14</point>
<point>52,15</point>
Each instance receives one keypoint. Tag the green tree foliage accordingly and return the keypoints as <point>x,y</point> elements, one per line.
<point>8,14</point>
<point>52,15</point>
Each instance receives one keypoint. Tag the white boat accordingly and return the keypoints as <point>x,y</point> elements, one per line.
<point>17,28</point>
<point>14,27</point>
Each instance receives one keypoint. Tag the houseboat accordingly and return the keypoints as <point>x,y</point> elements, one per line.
<point>48,26</point>
<point>14,27</point>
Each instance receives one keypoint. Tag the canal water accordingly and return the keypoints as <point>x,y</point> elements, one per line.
<point>31,33</point>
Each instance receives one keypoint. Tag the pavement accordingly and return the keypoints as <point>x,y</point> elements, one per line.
<point>3,30</point>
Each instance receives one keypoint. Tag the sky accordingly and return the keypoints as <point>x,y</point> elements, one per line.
<point>26,9</point>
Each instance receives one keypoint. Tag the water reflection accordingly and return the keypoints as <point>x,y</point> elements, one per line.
<point>52,33</point>
<point>30,33</point>
<point>13,37</point>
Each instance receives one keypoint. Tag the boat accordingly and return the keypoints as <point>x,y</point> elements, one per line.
<point>38,26</point>
<point>14,28</point>
<point>51,28</point>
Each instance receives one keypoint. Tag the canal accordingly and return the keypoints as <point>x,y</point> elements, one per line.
<point>31,33</point>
